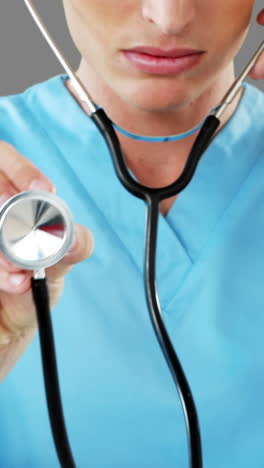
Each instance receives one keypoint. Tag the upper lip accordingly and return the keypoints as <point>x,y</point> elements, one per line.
<point>158,52</point>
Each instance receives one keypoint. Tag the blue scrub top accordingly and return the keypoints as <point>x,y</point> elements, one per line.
<point>121,405</point>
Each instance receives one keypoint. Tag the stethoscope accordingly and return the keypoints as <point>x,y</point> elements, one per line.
<point>36,231</point>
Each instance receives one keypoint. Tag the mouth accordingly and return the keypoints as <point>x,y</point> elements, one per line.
<point>158,61</point>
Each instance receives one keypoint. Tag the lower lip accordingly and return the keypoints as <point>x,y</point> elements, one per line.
<point>162,65</point>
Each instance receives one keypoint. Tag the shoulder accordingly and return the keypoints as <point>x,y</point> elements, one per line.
<point>254,93</point>
<point>36,102</point>
<point>244,131</point>
<point>45,119</point>
<point>252,120</point>
<point>21,114</point>
<point>253,105</point>
<point>47,126</point>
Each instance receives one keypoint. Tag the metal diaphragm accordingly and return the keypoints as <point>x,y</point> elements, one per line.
<point>36,229</point>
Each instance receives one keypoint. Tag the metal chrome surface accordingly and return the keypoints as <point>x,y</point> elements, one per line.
<point>36,229</point>
<point>79,87</point>
<point>83,93</point>
<point>233,91</point>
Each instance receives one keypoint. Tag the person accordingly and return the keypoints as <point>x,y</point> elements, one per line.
<point>157,67</point>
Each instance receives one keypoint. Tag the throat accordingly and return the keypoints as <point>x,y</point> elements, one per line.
<point>166,205</point>
<point>154,176</point>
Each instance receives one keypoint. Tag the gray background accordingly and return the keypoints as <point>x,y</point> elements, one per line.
<point>26,58</point>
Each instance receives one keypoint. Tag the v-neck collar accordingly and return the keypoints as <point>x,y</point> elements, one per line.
<point>184,232</point>
<point>219,176</point>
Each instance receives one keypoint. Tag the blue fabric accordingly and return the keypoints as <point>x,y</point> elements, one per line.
<point>121,406</point>
<point>162,139</point>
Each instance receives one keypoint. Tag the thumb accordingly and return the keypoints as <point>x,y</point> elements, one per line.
<point>81,249</point>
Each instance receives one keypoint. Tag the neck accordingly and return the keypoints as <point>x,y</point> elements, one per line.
<point>157,164</point>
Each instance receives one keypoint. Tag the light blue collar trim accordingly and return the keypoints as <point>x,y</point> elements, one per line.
<point>161,139</point>
<point>151,139</point>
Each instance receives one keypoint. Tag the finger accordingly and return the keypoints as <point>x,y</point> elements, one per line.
<point>7,188</point>
<point>21,172</point>
<point>81,249</point>
<point>6,192</point>
<point>260,17</point>
<point>7,266</point>
<point>257,72</point>
<point>15,283</point>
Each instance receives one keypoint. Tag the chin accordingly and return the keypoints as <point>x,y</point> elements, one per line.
<point>155,96</point>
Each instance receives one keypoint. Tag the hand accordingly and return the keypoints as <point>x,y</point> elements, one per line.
<point>257,72</point>
<point>17,312</point>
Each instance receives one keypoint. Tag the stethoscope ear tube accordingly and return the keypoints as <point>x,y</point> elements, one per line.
<point>153,197</point>
<point>202,141</point>
<point>104,125</point>
<point>200,145</point>
<point>40,295</point>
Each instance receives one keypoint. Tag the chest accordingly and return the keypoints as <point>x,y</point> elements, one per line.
<point>117,390</point>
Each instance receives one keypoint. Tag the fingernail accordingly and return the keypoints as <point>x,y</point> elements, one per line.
<point>39,184</point>
<point>16,279</point>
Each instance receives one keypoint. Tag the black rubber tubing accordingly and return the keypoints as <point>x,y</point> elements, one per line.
<point>153,196</point>
<point>48,353</point>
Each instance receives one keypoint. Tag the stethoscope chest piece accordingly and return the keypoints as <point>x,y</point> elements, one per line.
<point>36,230</point>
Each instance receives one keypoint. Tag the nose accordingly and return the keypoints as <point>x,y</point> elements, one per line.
<point>170,16</point>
